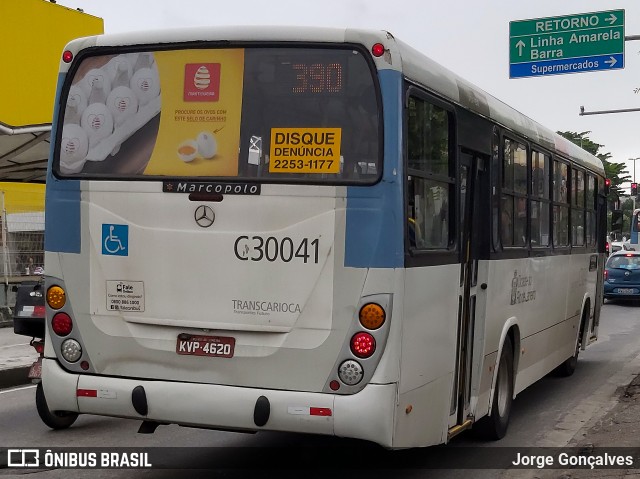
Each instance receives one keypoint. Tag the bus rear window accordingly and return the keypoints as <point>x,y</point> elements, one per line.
<point>263,114</point>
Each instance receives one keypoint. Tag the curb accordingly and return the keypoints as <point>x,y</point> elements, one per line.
<point>14,377</point>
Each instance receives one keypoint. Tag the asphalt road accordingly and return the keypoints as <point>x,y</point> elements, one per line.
<point>548,414</point>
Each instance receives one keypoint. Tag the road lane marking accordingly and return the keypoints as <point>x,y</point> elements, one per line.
<point>18,389</point>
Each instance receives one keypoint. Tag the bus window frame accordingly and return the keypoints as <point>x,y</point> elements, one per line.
<point>416,257</point>
<point>574,206</point>
<point>539,249</point>
<point>514,250</point>
<point>195,45</point>
<point>561,249</point>
<point>591,209</point>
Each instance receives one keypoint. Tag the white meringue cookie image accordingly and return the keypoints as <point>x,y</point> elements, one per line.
<point>207,144</point>
<point>76,104</point>
<point>96,85</point>
<point>73,149</point>
<point>145,83</point>
<point>122,103</point>
<point>120,71</point>
<point>97,122</point>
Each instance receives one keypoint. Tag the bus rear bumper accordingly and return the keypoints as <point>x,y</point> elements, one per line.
<point>366,415</point>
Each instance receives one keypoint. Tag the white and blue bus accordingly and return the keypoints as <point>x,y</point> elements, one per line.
<point>308,230</point>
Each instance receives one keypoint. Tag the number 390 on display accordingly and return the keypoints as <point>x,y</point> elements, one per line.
<point>258,248</point>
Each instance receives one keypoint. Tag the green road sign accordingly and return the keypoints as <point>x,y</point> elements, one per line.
<point>567,44</point>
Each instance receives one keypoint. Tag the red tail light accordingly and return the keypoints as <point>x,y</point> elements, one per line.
<point>363,345</point>
<point>377,50</point>
<point>38,346</point>
<point>38,311</point>
<point>62,324</point>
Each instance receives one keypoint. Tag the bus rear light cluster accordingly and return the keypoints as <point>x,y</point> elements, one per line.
<point>350,372</point>
<point>361,351</point>
<point>363,345</point>
<point>56,297</point>
<point>71,350</point>
<point>62,324</point>
<point>372,316</point>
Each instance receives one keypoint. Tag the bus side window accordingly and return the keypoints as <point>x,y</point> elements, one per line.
<point>429,182</point>
<point>428,214</point>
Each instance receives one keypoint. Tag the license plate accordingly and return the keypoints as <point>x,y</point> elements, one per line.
<point>213,346</point>
<point>626,290</point>
<point>35,371</point>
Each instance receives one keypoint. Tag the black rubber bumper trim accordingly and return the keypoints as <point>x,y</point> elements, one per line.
<point>262,411</point>
<point>139,400</point>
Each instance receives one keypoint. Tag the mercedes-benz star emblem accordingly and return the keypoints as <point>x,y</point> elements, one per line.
<point>204,216</point>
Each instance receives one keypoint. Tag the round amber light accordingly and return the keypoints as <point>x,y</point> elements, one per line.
<point>56,297</point>
<point>372,316</point>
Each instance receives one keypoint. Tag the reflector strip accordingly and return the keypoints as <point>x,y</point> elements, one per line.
<point>309,411</point>
<point>320,411</point>
<point>87,393</point>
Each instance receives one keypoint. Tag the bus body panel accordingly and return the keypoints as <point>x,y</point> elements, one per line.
<point>62,201</point>
<point>548,323</point>
<point>361,416</point>
<point>370,243</point>
<point>307,335</point>
<point>423,412</point>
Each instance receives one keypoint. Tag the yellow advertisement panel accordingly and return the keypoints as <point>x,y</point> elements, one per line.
<point>168,113</point>
<point>33,34</point>
<point>305,150</point>
<point>199,132</point>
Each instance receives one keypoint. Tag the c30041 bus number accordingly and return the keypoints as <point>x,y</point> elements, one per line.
<point>258,248</point>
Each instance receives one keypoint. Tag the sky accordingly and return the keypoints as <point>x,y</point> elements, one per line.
<point>469,37</point>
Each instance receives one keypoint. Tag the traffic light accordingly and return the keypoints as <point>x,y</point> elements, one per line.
<point>616,221</point>
<point>607,186</point>
<point>634,189</point>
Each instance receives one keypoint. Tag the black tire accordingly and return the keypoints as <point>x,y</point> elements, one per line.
<point>568,367</point>
<point>494,426</point>
<point>56,419</point>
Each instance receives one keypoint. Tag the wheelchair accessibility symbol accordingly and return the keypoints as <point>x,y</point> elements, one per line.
<point>115,240</point>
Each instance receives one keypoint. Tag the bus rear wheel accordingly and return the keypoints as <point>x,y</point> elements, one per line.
<point>55,419</point>
<point>494,426</point>
<point>568,367</point>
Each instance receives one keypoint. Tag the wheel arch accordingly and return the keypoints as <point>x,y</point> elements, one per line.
<point>511,329</point>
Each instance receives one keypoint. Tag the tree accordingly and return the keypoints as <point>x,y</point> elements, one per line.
<point>627,214</point>
<point>616,172</point>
